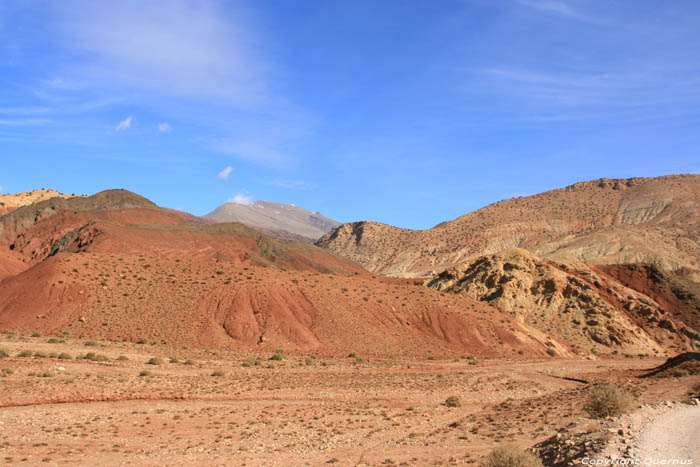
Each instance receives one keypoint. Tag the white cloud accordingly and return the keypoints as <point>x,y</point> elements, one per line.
<point>0,188</point>
<point>125,124</point>
<point>240,198</point>
<point>164,127</point>
<point>174,48</point>
<point>223,175</point>
<point>255,151</point>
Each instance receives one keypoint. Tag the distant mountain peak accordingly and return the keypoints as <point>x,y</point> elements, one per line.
<point>274,216</point>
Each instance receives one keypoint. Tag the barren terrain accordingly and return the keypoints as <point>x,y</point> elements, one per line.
<point>204,407</point>
<point>638,220</point>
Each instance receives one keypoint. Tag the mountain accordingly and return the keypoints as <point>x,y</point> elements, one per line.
<point>273,218</point>
<point>607,221</point>
<point>12,201</point>
<point>116,266</point>
<point>637,307</point>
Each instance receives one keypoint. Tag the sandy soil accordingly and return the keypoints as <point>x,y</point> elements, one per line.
<point>203,407</point>
<point>672,435</point>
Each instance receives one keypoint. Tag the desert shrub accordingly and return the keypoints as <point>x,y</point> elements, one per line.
<point>122,358</point>
<point>218,373</point>
<point>141,341</point>
<point>53,355</point>
<point>90,343</point>
<point>53,340</point>
<point>144,373</point>
<point>93,357</point>
<point>25,353</point>
<point>278,355</point>
<point>551,352</point>
<point>309,361</point>
<point>154,361</point>
<point>174,360</point>
<point>352,355</point>
<point>607,400</point>
<point>359,360</point>
<point>64,356</point>
<point>511,456</point>
<point>6,372</point>
<point>39,355</point>
<point>679,373</point>
<point>4,353</point>
<point>189,362</point>
<point>453,401</point>
<point>251,361</point>
<point>36,334</point>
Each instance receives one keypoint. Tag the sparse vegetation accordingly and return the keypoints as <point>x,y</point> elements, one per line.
<point>511,456</point>
<point>4,353</point>
<point>93,357</point>
<point>607,400</point>
<point>144,373</point>
<point>217,373</point>
<point>453,401</point>
<point>154,361</point>
<point>25,354</point>
<point>64,356</point>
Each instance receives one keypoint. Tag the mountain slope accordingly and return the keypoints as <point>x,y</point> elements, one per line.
<point>638,220</point>
<point>12,201</point>
<point>272,217</point>
<point>580,304</point>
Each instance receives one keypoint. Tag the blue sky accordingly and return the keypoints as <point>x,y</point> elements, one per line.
<point>403,112</point>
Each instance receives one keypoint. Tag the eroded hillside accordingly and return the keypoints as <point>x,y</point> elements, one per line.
<point>638,220</point>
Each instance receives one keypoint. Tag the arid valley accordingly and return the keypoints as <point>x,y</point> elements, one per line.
<point>134,334</point>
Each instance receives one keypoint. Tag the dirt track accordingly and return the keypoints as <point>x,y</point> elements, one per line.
<point>674,435</point>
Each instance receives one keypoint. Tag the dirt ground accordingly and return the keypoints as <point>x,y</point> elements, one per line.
<point>201,407</point>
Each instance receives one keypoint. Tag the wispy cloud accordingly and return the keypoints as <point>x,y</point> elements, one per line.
<point>124,124</point>
<point>242,198</point>
<point>557,8</point>
<point>175,48</point>
<point>256,151</point>
<point>548,96</point>
<point>20,122</point>
<point>164,127</point>
<point>288,184</point>
<point>224,174</point>
<point>0,188</point>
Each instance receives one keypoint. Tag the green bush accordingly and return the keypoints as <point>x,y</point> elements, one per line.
<point>93,357</point>
<point>607,400</point>
<point>511,456</point>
